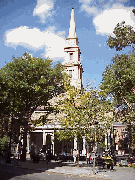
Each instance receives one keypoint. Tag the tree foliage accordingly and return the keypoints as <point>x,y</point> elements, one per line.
<point>4,141</point>
<point>26,83</point>
<point>83,114</point>
<point>124,36</point>
<point>119,77</point>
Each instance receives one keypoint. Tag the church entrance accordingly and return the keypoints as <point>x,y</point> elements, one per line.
<point>36,138</point>
<point>48,142</point>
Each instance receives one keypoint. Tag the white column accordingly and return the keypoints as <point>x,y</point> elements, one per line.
<point>84,149</point>
<point>109,139</point>
<point>75,143</point>
<point>44,138</point>
<point>106,143</point>
<point>17,149</point>
<point>52,141</point>
<point>28,143</point>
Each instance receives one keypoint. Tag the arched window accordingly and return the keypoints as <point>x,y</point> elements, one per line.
<point>71,56</point>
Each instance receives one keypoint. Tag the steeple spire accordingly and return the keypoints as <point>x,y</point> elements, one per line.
<point>72,64</point>
<point>72,29</point>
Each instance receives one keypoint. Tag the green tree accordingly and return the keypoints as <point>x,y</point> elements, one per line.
<point>83,114</point>
<point>29,82</point>
<point>119,77</point>
<point>4,110</point>
<point>4,141</point>
<point>124,35</point>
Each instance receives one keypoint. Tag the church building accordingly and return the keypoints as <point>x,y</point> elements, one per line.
<point>44,135</point>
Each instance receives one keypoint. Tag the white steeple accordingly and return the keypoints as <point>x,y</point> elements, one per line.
<point>72,29</point>
<point>72,39</point>
<point>72,55</point>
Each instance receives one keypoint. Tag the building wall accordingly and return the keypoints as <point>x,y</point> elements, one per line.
<point>76,54</point>
<point>120,135</point>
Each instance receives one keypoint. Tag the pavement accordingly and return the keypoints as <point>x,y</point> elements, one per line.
<point>70,168</point>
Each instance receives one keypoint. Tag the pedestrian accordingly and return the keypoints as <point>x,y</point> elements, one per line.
<point>114,159</point>
<point>131,160</point>
<point>48,156</point>
<point>90,159</point>
<point>87,158</point>
<point>19,150</point>
<point>74,155</point>
<point>32,151</point>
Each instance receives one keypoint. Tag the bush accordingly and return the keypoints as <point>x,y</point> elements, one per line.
<point>4,143</point>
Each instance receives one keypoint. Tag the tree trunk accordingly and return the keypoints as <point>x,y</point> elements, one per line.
<point>129,132</point>
<point>94,172</point>
<point>78,154</point>
<point>8,160</point>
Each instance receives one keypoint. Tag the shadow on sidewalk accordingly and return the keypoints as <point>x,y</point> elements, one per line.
<point>43,165</point>
<point>12,170</point>
<point>20,168</point>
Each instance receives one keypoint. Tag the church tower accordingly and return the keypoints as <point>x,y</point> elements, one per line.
<point>72,55</point>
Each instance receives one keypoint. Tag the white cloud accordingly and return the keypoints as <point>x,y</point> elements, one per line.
<point>106,17</point>
<point>85,1</point>
<point>43,9</point>
<point>106,21</point>
<point>52,43</point>
<point>90,10</point>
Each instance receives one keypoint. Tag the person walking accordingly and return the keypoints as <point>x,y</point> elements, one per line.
<point>19,150</point>
<point>87,158</point>
<point>90,159</point>
<point>32,151</point>
<point>74,155</point>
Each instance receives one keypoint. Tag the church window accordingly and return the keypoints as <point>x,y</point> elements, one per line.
<point>71,56</point>
<point>70,73</point>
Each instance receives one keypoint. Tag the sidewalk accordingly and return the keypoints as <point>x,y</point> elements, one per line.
<point>119,173</point>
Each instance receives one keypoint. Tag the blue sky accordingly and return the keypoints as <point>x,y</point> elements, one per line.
<point>41,27</point>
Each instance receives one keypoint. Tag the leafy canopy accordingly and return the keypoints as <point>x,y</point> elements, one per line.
<point>83,113</point>
<point>124,35</point>
<point>119,77</point>
<point>26,83</point>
